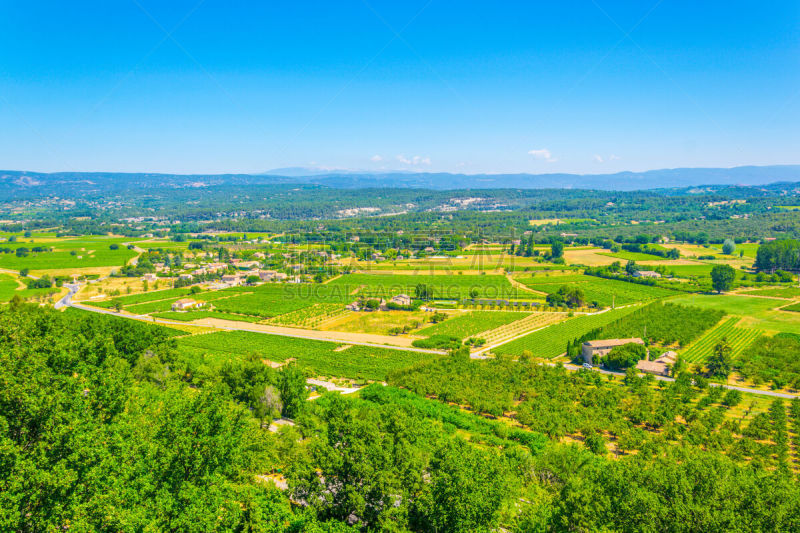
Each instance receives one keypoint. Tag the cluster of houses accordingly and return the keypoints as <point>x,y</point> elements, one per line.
<point>600,348</point>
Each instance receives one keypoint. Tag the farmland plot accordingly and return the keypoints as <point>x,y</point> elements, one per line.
<point>600,290</point>
<point>738,338</point>
<point>468,324</point>
<point>447,287</point>
<point>552,341</point>
<point>320,357</point>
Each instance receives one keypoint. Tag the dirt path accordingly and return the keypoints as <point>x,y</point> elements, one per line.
<point>517,285</point>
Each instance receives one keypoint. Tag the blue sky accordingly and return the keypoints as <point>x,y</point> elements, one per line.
<point>434,85</point>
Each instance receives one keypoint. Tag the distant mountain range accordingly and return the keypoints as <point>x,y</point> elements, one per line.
<point>24,184</point>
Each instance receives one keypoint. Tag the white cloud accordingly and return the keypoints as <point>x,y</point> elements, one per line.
<point>415,161</point>
<point>376,158</point>
<point>543,154</point>
<point>600,159</point>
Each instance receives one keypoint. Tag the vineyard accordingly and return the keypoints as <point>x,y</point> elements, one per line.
<point>310,317</point>
<point>186,316</point>
<point>468,324</point>
<point>319,357</point>
<point>664,323</point>
<point>530,322</point>
<point>452,287</point>
<point>738,338</point>
<point>552,341</point>
<point>603,291</point>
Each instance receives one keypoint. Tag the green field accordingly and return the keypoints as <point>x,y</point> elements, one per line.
<point>88,252</point>
<point>600,290</point>
<point>447,287</point>
<point>8,287</point>
<point>360,362</point>
<point>468,324</point>
<point>738,338</point>
<point>186,316</point>
<point>552,341</point>
<point>784,292</point>
<point>757,313</point>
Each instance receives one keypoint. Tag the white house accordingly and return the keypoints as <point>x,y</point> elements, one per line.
<point>186,303</point>
<point>401,299</point>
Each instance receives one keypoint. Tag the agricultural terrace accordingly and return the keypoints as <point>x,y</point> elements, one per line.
<point>600,290</point>
<point>320,357</point>
<point>738,339</point>
<point>468,324</point>
<point>444,287</point>
<point>552,341</point>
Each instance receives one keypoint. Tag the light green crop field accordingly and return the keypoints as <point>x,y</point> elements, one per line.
<point>784,292</point>
<point>455,287</point>
<point>552,341</point>
<point>600,290</point>
<point>468,324</point>
<point>81,252</point>
<point>186,316</point>
<point>320,357</point>
<point>8,287</point>
<point>738,339</point>
<point>757,313</point>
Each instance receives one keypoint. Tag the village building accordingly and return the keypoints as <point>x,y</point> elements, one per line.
<point>600,348</point>
<point>232,279</point>
<point>186,303</point>
<point>150,277</point>
<point>186,277</point>
<point>401,299</point>
<point>660,366</point>
<point>646,274</point>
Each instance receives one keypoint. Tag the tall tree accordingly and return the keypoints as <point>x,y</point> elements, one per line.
<point>722,277</point>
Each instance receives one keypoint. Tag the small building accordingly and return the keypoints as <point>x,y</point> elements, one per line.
<point>600,348</point>
<point>660,366</point>
<point>232,279</point>
<point>150,277</point>
<point>185,303</point>
<point>353,307</point>
<point>186,277</point>
<point>646,274</point>
<point>401,299</point>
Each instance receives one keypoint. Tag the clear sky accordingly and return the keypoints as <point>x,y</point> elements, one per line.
<point>437,85</point>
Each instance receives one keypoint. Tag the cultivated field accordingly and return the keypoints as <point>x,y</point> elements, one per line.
<point>738,338</point>
<point>600,290</point>
<point>320,357</point>
<point>552,341</point>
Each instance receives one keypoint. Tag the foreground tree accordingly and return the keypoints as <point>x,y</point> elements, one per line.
<point>720,362</point>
